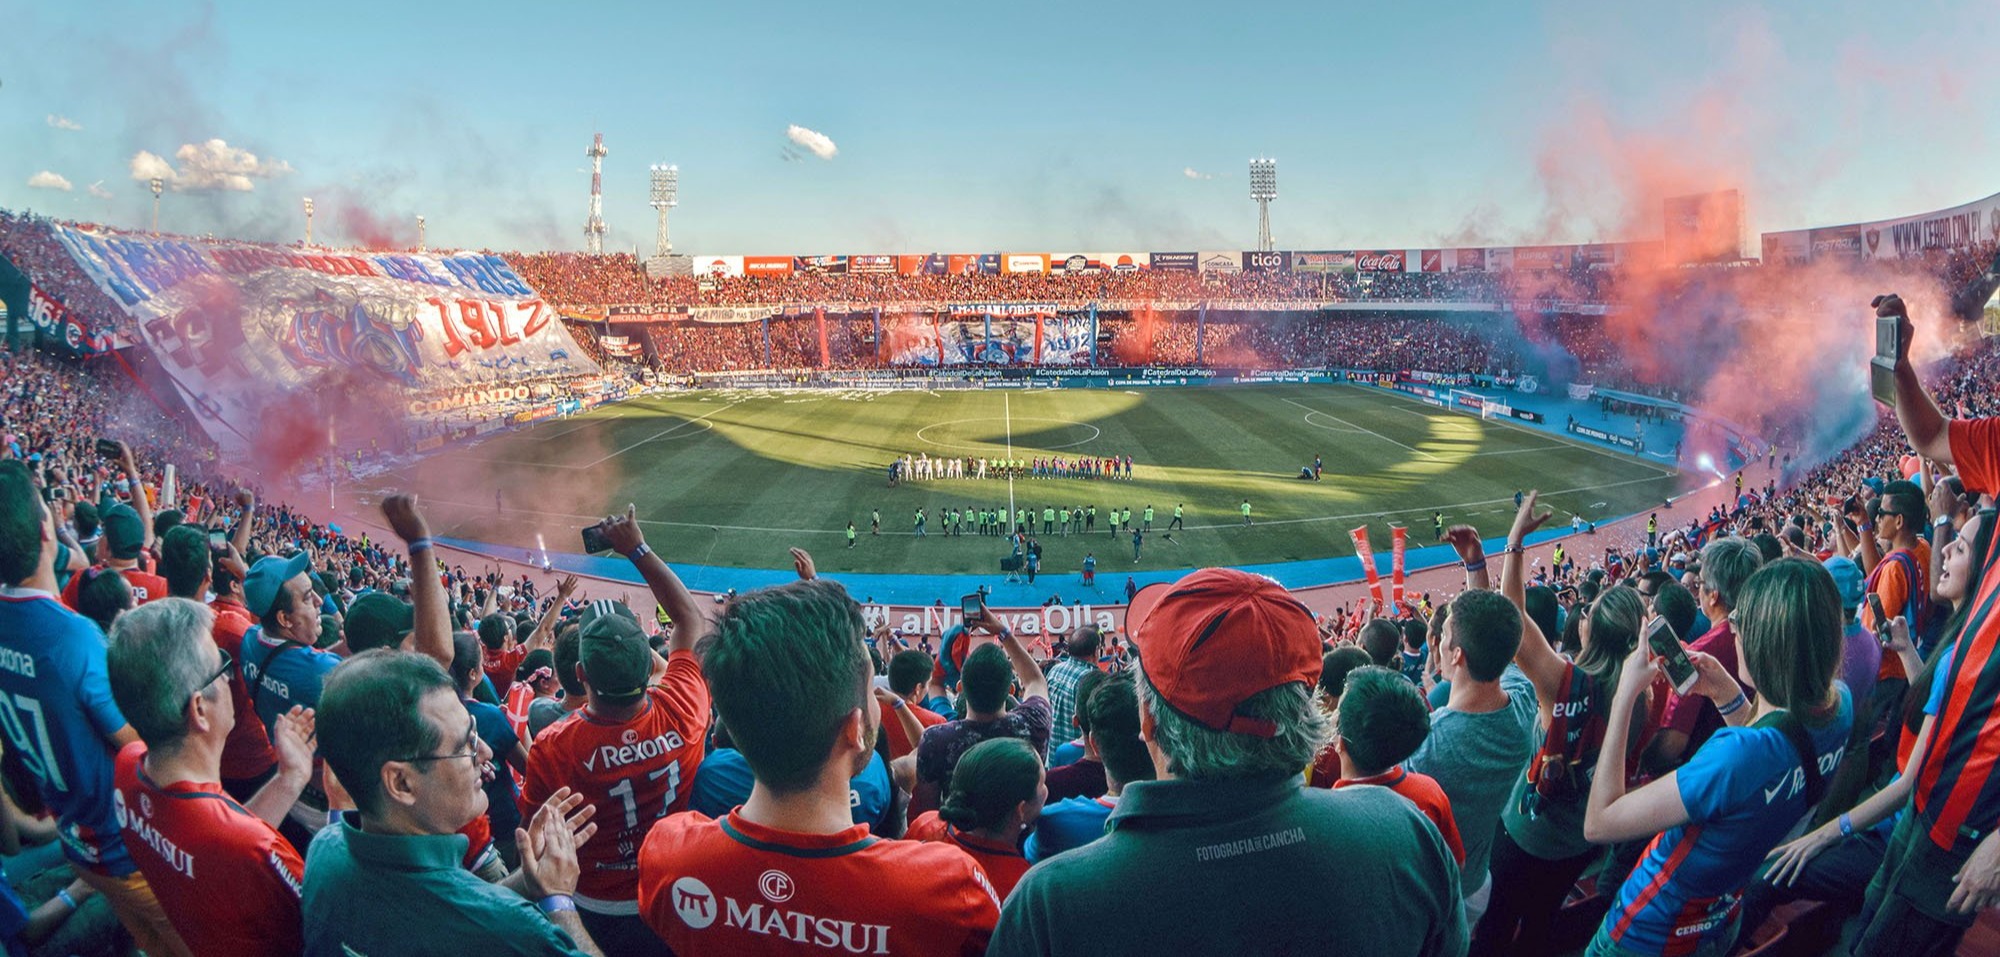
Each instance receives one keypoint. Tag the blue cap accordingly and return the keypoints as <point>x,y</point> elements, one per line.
<point>1847,577</point>
<point>268,577</point>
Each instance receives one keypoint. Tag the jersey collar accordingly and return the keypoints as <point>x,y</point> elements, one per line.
<point>759,837</point>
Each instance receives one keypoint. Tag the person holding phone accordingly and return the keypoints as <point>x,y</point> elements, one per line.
<point>984,679</point>
<point>1718,815</point>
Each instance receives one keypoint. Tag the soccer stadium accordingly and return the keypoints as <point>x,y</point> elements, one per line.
<point>1611,587</point>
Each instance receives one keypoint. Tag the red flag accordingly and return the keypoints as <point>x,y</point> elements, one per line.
<point>1396,537</point>
<point>1367,562</point>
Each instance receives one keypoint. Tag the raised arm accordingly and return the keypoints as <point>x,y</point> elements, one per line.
<point>1031,679</point>
<point>623,535</point>
<point>1464,539</point>
<point>239,537</point>
<point>432,634</point>
<point>139,503</point>
<point>1537,660</point>
<point>1916,411</point>
<point>545,630</point>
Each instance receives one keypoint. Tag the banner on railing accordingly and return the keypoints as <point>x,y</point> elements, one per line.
<point>56,321</point>
<point>1397,541</point>
<point>1367,556</point>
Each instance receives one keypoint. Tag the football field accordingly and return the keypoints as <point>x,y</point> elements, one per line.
<point>735,477</point>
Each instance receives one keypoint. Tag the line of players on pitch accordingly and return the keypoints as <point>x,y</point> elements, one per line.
<point>922,467</point>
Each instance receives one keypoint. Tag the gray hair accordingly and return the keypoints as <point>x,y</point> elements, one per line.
<point>1199,752</point>
<point>155,664</point>
<point>1726,564</point>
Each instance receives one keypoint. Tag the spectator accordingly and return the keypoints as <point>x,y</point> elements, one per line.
<point>909,674</point>
<point>1379,638</point>
<point>165,671</point>
<point>1111,718</point>
<point>1720,813</point>
<point>1226,662</point>
<point>997,792</point>
<point>1334,667</point>
<point>503,812</point>
<point>790,675</point>
<point>1080,658</point>
<point>71,762</point>
<point>1078,770</point>
<point>392,728</point>
<point>1382,723</point>
<point>1726,564</point>
<point>984,681</point>
<point>187,564</point>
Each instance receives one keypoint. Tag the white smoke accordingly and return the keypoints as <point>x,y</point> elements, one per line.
<point>64,123</point>
<point>97,189</point>
<point>48,180</point>
<point>209,165</point>
<point>812,141</point>
<point>1191,173</point>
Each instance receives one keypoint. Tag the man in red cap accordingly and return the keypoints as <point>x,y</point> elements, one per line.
<point>1230,849</point>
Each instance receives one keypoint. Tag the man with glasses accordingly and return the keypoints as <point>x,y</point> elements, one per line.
<point>168,678</point>
<point>388,878</point>
<point>1898,563</point>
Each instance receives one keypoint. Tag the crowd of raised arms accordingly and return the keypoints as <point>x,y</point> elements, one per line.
<point>233,729</point>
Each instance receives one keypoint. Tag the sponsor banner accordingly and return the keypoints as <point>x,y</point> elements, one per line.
<point>989,264</point>
<point>1436,378</point>
<point>1499,258</point>
<point>56,321</point>
<point>1083,263</point>
<point>233,322</point>
<point>933,264</point>
<point>819,264</point>
<point>1525,415</point>
<point>1468,260</point>
<point>1122,262</point>
<point>1541,257</point>
<point>1601,254</point>
<point>1496,407</point>
<point>1367,556</point>
<point>1025,262</point>
<point>1174,262</point>
<point>767,265</point>
<point>1221,261</point>
<point>1385,261</point>
<point>1341,261</point>
<point>1838,242</point>
<point>1430,260</point>
<point>729,267</point>
<point>1264,261</point>
<point>962,264</point>
<point>1788,248</point>
<point>871,264</point>
<point>1622,441</point>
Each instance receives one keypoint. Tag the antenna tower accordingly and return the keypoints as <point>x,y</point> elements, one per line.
<point>593,228</point>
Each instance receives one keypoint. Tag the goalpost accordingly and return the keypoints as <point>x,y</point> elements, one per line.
<point>1474,402</point>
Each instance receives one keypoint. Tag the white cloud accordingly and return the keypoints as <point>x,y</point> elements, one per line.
<point>209,165</point>
<point>1191,173</point>
<point>97,189</point>
<point>48,180</point>
<point>812,141</point>
<point>64,123</point>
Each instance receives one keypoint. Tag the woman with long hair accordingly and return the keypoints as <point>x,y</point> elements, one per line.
<point>1541,850</point>
<point>1721,813</point>
<point>997,792</point>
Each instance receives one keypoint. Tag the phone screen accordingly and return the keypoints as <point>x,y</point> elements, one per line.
<point>1661,638</point>
<point>108,448</point>
<point>970,605</point>
<point>593,540</point>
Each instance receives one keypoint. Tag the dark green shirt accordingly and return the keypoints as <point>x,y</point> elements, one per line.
<point>379,894</point>
<point>1260,866</point>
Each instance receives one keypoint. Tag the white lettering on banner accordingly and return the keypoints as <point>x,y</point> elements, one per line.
<point>1052,620</point>
<point>470,397</point>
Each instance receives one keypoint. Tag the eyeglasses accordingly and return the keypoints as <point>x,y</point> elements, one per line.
<point>470,749</point>
<point>220,670</point>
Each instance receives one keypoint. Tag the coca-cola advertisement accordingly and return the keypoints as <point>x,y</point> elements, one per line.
<point>1432,260</point>
<point>1385,261</point>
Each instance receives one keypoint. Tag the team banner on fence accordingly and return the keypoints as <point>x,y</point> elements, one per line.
<point>1367,556</point>
<point>999,334</point>
<point>231,321</point>
<point>1398,536</point>
<point>55,320</point>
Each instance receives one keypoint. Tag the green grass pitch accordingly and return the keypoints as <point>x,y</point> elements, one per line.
<point>734,477</point>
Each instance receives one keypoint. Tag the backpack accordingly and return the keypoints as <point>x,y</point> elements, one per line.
<point>1559,773</point>
<point>1925,628</point>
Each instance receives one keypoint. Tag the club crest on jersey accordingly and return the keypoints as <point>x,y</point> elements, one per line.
<point>776,886</point>
<point>694,902</point>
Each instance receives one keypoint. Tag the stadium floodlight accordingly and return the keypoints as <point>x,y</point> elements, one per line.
<point>1263,189</point>
<point>309,220</point>
<point>420,232</point>
<point>156,184</point>
<point>665,196</point>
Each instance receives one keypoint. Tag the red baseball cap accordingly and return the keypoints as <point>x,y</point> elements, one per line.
<point>1219,637</point>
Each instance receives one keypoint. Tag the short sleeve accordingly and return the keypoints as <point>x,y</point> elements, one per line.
<point>94,688</point>
<point>685,691</point>
<point>1975,451</point>
<point>930,754</point>
<point>1683,713</point>
<point>1941,682</point>
<point>1717,776</point>
<point>1037,716</point>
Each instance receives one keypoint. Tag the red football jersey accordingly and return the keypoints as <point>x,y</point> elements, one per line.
<point>501,665</point>
<point>1004,866</point>
<point>729,886</point>
<point>247,752</point>
<point>228,881</point>
<point>635,772</point>
<point>146,586</point>
<point>892,727</point>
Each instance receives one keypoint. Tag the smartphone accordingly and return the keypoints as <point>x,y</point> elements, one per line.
<point>1882,368</point>
<point>1881,619</point>
<point>218,539</point>
<point>1680,671</point>
<point>593,540</point>
<point>970,605</point>
<point>110,449</point>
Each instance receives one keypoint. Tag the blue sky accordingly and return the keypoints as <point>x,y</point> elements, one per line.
<point>982,127</point>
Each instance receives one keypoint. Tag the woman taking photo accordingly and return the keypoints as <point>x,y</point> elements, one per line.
<point>1718,815</point>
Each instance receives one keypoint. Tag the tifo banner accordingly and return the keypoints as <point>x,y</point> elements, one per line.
<point>1009,342</point>
<point>1367,556</point>
<point>1065,341</point>
<point>910,340</point>
<point>1960,227</point>
<point>55,320</point>
<point>621,346</point>
<point>231,322</point>
<point>1397,537</point>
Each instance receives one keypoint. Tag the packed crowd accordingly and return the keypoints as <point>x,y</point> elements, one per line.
<point>28,243</point>
<point>374,753</point>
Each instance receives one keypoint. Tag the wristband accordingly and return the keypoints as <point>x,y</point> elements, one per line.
<point>1735,704</point>
<point>1478,566</point>
<point>898,704</point>
<point>556,904</point>
<point>641,552</point>
<point>1511,549</point>
<point>63,895</point>
<point>417,545</point>
<point>1846,826</point>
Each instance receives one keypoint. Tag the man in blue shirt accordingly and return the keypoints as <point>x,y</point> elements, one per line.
<point>58,714</point>
<point>1112,712</point>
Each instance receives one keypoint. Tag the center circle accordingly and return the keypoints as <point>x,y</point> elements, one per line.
<point>999,433</point>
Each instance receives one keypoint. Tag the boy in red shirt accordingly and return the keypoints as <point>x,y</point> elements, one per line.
<point>784,873</point>
<point>1383,719</point>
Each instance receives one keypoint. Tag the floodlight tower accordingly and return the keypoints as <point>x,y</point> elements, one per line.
<point>666,195</point>
<point>420,232</point>
<point>593,228</point>
<point>309,220</point>
<point>156,184</point>
<point>1263,189</point>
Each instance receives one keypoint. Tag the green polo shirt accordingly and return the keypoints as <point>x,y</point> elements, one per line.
<point>1359,870</point>
<point>380,894</point>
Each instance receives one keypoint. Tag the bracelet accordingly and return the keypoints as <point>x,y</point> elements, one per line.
<point>1511,549</point>
<point>1735,704</point>
<point>641,552</point>
<point>556,904</point>
<point>63,895</point>
<point>898,704</point>
<point>418,545</point>
<point>1478,566</point>
<point>1846,825</point>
